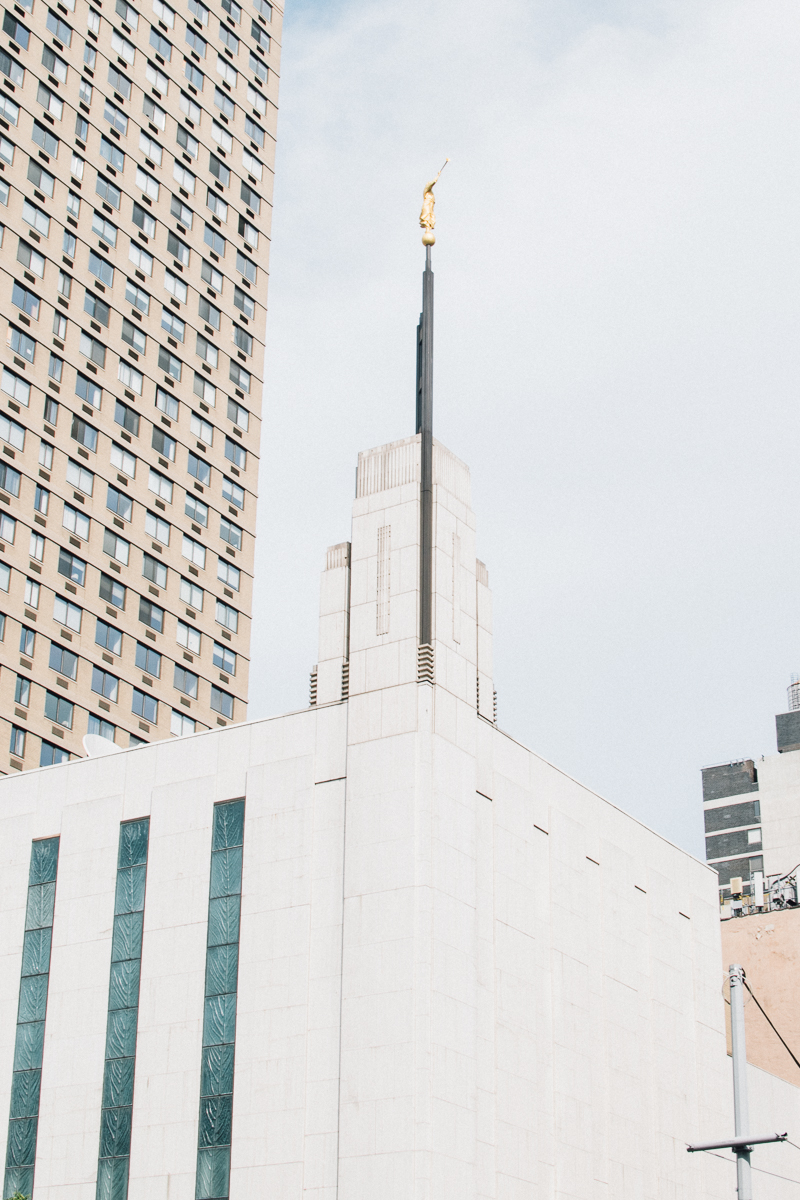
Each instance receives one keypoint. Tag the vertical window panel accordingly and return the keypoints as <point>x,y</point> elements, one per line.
<point>25,1082</point>
<point>219,1017</point>
<point>123,1012</point>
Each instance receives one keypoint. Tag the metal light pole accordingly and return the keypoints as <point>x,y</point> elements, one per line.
<point>741,1116</point>
<point>743,1142</point>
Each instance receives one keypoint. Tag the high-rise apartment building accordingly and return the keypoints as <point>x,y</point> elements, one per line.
<point>136,159</point>
<point>751,811</point>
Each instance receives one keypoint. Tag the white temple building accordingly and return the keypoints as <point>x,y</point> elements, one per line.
<point>372,949</point>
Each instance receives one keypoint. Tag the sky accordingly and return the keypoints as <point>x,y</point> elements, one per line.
<point>617,266</point>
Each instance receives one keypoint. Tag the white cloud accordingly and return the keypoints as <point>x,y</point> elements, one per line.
<point>616,359</point>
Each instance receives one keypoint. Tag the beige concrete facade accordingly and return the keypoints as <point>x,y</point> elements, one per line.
<point>768,947</point>
<point>136,168</point>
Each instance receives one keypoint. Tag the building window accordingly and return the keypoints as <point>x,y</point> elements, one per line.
<point>101,728</point>
<point>239,377</point>
<point>63,661</point>
<point>116,547</point>
<point>97,309</point>
<point>76,522</point>
<point>222,702</point>
<point>202,429</point>
<point>166,402</point>
<point>133,335</point>
<point>80,477</point>
<point>128,376</point>
<point>194,551</point>
<point>154,570</point>
<point>225,659</point>
<point>58,709</point>
<point>88,391</point>
<point>179,724</point>
<point>17,744</point>
<point>157,527</point>
<point>230,533</point>
<point>105,684</point>
<point>160,485</point>
<point>191,594</point>
<point>185,681</point>
<point>145,706</point>
<point>112,591</point>
<point>71,566</point>
<point>219,1023</point>
<point>199,468</point>
<point>127,417</point>
<point>83,433</point>
<point>171,364</point>
<point>108,636</point>
<point>227,616</point>
<point>123,459</point>
<point>189,637</point>
<point>228,573</point>
<point>119,503</point>
<point>196,509</point>
<point>32,1007</point>
<point>150,614</point>
<point>123,1006</point>
<point>67,614</point>
<point>148,660</point>
<point>234,452</point>
<point>50,756</point>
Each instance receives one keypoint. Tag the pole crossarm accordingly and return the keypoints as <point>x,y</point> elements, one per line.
<point>737,1143</point>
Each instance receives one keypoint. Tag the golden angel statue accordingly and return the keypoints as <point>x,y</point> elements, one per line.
<point>427,219</point>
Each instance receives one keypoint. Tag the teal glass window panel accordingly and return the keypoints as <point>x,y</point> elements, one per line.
<point>123,990</point>
<point>25,1093</point>
<point>21,1142</point>
<point>44,861</point>
<point>226,872</point>
<point>219,1020</point>
<point>221,969</point>
<point>118,1083</point>
<point>213,1170</point>
<point>28,1046</point>
<point>215,1121</point>
<point>228,825</point>
<point>115,1132</point>
<point>112,1179</point>
<point>133,843</point>
<point>217,1073</point>
<point>36,952</point>
<point>41,902</point>
<point>18,1179</point>
<point>127,939</point>
<point>223,921</point>
<point>121,1033</point>
<point>32,998</point>
<point>130,890</point>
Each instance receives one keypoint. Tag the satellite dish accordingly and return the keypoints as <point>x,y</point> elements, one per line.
<point>96,746</point>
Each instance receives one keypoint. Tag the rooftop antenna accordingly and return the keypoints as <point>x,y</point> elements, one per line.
<point>427,222</point>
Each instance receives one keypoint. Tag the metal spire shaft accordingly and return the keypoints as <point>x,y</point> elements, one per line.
<point>425,428</point>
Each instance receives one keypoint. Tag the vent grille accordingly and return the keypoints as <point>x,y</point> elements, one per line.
<point>425,664</point>
<point>312,687</point>
<point>494,706</point>
<point>345,679</point>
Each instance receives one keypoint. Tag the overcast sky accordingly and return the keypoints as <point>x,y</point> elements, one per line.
<point>616,355</point>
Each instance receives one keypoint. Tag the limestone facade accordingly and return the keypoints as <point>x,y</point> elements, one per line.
<point>460,972</point>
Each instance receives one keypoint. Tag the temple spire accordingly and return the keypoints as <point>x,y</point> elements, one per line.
<point>427,221</point>
<point>425,429</point>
